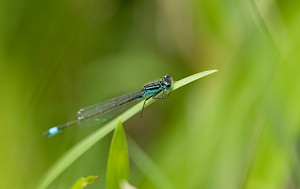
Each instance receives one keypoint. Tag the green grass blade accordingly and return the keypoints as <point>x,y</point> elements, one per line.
<point>76,151</point>
<point>83,182</point>
<point>191,78</point>
<point>118,163</point>
<point>148,167</point>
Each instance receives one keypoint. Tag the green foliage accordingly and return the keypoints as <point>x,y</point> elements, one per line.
<point>118,163</point>
<point>237,129</point>
<point>148,167</point>
<point>76,151</point>
<point>83,182</point>
<point>126,185</point>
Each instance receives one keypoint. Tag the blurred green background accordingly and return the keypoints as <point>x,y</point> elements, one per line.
<point>237,128</point>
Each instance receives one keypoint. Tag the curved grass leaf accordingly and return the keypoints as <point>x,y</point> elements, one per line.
<point>83,182</point>
<point>118,163</point>
<point>76,151</point>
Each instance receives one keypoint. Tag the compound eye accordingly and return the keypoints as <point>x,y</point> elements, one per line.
<point>167,81</point>
<point>166,77</point>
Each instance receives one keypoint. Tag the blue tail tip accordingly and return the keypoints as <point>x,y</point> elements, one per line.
<point>51,132</point>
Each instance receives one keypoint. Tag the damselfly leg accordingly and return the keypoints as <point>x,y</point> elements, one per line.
<point>163,96</point>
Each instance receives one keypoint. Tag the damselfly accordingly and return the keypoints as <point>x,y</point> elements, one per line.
<point>105,111</point>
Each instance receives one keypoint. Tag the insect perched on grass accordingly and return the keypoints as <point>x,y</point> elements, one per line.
<point>105,111</point>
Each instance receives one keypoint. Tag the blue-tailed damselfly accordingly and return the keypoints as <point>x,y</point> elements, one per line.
<point>105,111</point>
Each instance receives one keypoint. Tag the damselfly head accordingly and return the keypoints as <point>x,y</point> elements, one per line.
<point>167,76</point>
<point>167,81</point>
